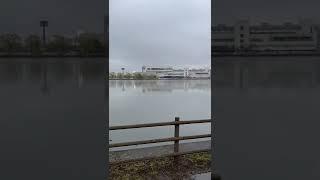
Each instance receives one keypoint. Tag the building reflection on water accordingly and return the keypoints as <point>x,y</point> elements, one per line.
<point>48,74</point>
<point>161,85</point>
<point>267,117</point>
<point>266,72</point>
<point>51,105</point>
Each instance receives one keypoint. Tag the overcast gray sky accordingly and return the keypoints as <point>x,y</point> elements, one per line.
<point>159,33</point>
<point>65,16</point>
<point>273,11</point>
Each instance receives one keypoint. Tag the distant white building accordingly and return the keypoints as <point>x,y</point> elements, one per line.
<point>199,73</point>
<point>264,37</point>
<point>171,73</point>
<point>156,70</point>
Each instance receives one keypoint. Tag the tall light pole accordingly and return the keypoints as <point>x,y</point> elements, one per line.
<point>44,24</point>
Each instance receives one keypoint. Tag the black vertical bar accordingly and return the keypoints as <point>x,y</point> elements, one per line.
<point>106,33</point>
<point>213,120</point>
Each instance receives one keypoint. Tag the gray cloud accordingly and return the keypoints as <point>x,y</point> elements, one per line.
<point>159,32</point>
<point>273,11</point>
<point>64,16</point>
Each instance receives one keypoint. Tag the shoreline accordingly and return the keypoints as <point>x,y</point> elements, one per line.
<point>266,55</point>
<point>155,79</point>
<point>52,59</point>
<point>51,56</point>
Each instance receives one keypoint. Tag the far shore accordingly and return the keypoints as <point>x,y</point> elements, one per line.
<point>69,60</point>
<point>51,56</point>
<point>265,54</point>
<point>164,79</point>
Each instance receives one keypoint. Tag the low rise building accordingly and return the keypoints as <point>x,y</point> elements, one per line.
<point>243,36</point>
<point>171,73</point>
<point>156,70</point>
<point>199,73</point>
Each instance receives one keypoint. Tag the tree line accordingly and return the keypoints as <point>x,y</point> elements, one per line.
<point>85,44</point>
<point>136,76</point>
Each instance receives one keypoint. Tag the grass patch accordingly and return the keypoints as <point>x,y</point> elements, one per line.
<point>163,168</point>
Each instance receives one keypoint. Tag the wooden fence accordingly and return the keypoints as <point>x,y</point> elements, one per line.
<point>176,139</point>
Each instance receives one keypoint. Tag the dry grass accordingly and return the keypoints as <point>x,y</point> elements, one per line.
<point>163,168</point>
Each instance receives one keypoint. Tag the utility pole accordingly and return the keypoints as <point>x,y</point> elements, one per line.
<point>44,24</point>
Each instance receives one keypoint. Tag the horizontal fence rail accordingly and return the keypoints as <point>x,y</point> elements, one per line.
<point>181,138</point>
<point>159,124</point>
<point>176,139</point>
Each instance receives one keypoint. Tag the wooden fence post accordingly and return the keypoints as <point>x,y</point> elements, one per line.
<point>176,142</point>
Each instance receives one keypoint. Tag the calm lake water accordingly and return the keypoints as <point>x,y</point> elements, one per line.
<point>267,111</point>
<point>52,111</point>
<point>149,101</point>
